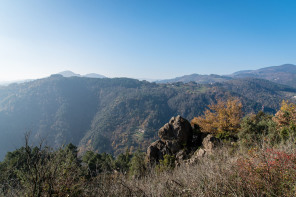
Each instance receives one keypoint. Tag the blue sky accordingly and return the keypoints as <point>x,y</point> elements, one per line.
<point>153,39</point>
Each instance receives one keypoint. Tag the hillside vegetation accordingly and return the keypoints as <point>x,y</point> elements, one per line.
<point>109,115</point>
<point>261,161</point>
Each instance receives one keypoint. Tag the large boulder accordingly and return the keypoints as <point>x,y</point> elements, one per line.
<point>174,136</point>
<point>178,129</point>
<point>176,139</point>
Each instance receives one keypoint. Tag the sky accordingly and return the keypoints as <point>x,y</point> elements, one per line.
<point>152,39</point>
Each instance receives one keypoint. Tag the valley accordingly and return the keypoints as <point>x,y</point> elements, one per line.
<point>110,115</point>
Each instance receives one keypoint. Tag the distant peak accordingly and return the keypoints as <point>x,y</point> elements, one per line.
<point>68,73</point>
<point>282,68</point>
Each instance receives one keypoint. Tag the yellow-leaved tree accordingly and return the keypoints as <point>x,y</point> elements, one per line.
<point>286,116</point>
<point>221,118</point>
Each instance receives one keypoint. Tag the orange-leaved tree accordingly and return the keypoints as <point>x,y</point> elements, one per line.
<point>222,117</point>
<point>285,120</point>
<point>286,115</point>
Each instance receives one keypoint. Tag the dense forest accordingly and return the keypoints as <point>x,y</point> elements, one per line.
<point>109,115</point>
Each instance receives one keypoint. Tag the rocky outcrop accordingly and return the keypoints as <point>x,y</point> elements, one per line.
<point>174,136</point>
<point>156,151</point>
<point>177,139</point>
<point>209,144</point>
<point>178,129</point>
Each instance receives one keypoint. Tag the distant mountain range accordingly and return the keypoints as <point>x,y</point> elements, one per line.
<point>5,83</point>
<point>69,73</point>
<point>284,74</point>
<point>200,79</point>
<point>66,73</point>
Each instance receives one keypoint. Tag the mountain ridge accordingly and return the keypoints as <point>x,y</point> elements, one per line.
<point>109,115</point>
<point>283,74</point>
<point>68,73</point>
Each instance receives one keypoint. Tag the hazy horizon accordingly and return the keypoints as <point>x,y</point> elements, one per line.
<point>143,39</point>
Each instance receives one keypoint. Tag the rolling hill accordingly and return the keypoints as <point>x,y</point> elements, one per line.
<point>200,79</point>
<point>284,74</point>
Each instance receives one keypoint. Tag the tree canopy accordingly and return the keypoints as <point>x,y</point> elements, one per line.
<point>222,117</point>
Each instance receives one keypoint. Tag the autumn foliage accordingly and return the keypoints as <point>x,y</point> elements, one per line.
<point>224,116</point>
<point>286,115</point>
<point>269,170</point>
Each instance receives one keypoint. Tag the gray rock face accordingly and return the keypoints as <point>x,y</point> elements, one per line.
<point>174,136</point>
<point>176,139</point>
<point>209,143</point>
<point>156,151</point>
<point>178,129</point>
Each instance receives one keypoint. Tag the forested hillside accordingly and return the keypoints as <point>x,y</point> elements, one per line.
<point>109,115</point>
<point>201,79</point>
<point>220,153</point>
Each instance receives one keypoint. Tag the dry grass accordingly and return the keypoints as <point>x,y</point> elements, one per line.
<point>215,175</point>
<point>210,176</point>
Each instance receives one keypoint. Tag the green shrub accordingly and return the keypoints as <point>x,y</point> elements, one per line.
<point>167,164</point>
<point>255,128</point>
<point>138,166</point>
